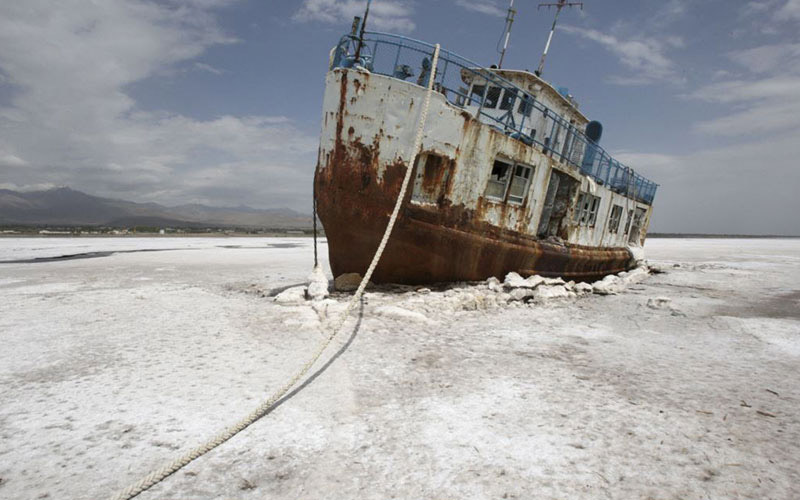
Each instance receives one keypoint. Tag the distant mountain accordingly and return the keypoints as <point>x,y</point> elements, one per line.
<point>67,207</point>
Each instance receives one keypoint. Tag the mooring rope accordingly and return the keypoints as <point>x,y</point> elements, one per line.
<point>314,215</point>
<point>165,471</point>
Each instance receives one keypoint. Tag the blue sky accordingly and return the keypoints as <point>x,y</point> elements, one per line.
<point>219,101</point>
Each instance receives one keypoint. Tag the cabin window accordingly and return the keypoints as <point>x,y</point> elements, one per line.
<point>636,227</point>
<point>509,96</point>
<point>630,219</point>
<point>492,96</point>
<point>586,210</point>
<point>477,94</point>
<point>614,220</point>
<point>525,105</point>
<point>498,181</point>
<point>508,182</point>
<point>519,183</point>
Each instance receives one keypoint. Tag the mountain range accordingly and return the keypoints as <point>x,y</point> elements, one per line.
<point>67,207</point>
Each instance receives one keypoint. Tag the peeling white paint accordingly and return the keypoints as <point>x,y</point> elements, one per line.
<point>383,112</point>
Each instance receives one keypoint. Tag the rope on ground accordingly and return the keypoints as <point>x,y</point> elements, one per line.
<point>160,474</point>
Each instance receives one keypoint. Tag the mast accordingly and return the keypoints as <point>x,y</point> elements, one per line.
<point>361,36</point>
<point>559,5</point>
<point>509,22</point>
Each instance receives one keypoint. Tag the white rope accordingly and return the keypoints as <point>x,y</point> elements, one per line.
<point>160,474</point>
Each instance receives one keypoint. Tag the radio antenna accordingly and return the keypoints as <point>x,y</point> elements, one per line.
<point>507,31</point>
<point>558,5</point>
<point>361,36</point>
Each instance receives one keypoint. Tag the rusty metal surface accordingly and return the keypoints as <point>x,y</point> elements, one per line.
<point>447,229</point>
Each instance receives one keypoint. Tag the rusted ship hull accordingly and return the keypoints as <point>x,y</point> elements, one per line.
<point>446,230</point>
<point>424,250</point>
<point>430,245</point>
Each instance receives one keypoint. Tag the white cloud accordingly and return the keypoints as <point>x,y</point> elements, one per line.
<point>791,10</point>
<point>746,188</point>
<point>72,121</point>
<point>783,57</point>
<point>484,7</point>
<point>767,17</point>
<point>644,56</point>
<point>385,15</point>
<point>736,91</point>
<point>11,160</point>
<point>28,187</point>
<point>767,101</point>
<point>207,67</point>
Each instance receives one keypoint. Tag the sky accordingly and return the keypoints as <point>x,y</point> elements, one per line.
<point>219,101</point>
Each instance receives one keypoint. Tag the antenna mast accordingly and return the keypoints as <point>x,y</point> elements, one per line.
<point>361,36</point>
<point>559,5</point>
<point>509,22</point>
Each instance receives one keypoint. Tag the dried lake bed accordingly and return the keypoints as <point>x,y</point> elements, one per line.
<point>134,350</point>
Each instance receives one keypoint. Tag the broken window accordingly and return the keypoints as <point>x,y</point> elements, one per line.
<point>560,192</point>
<point>630,220</point>
<point>509,96</point>
<point>586,209</point>
<point>519,183</point>
<point>592,216</point>
<point>508,180</point>
<point>498,181</point>
<point>614,220</point>
<point>430,181</point>
<point>492,96</point>
<point>636,227</point>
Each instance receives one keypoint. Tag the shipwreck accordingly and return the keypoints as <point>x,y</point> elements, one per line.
<point>510,176</point>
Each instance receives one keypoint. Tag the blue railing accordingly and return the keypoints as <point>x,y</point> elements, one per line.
<point>497,102</point>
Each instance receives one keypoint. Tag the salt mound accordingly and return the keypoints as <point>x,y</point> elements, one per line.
<point>544,293</point>
<point>514,280</point>
<point>401,314</point>
<point>293,295</point>
<point>318,286</point>
<point>613,284</point>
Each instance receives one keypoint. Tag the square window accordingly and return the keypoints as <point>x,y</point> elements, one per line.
<point>509,96</point>
<point>492,96</point>
<point>519,183</point>
<point>498,180</point>
<point>614,220</point>
<point>586,209</point>
<point>477,94</point>
<point>630,219</point>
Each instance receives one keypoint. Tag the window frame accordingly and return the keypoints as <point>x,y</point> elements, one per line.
<point>615,218</point>
<point>629,222</point>
<point>476,95</point>
<point>509,181</point>
<point>506,181</point>
<point>586,209</point>
<point>492,91</point>
<point>507,100</point>
<point>527,183</point>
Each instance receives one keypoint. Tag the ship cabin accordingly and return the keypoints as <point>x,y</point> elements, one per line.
<point>497,102</point>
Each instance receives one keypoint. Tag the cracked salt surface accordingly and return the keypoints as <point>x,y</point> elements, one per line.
<point>680,385</point>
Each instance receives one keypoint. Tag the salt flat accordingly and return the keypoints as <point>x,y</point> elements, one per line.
<point>682,386</point>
